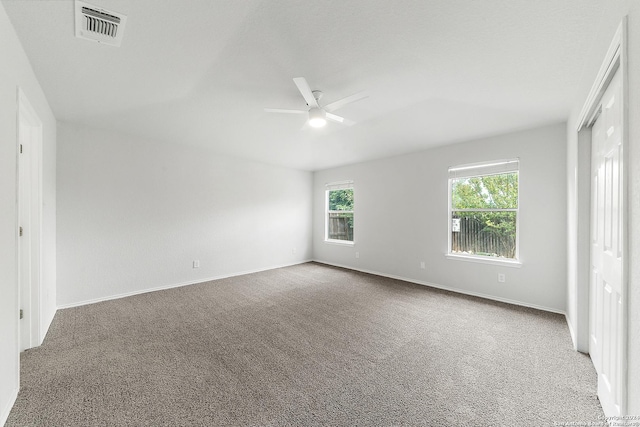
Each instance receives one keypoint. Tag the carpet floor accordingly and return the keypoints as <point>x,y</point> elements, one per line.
<point>303,346</point>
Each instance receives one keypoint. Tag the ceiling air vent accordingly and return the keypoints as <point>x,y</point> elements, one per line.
<point>99,25</point>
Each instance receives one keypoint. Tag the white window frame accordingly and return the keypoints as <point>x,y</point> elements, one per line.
<point>484,169</point>
<point>340,185</point>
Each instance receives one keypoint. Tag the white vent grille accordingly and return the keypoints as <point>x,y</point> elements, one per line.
<point>99,25</point>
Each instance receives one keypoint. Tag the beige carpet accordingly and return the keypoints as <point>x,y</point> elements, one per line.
<point>300,346</point>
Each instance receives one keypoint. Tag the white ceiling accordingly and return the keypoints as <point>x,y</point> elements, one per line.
<point>200,72</point>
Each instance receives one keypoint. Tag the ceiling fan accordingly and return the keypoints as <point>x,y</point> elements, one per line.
<point>318,115</point>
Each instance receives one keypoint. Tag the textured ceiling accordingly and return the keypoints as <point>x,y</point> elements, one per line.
<point>201,72</point>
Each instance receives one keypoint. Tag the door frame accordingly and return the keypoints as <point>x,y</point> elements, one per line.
<point>614,61</point>
<point>27,116</point>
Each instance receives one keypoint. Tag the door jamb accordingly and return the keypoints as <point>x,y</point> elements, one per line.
<point>27,114</point>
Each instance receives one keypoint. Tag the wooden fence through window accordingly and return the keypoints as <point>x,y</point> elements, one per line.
<point>474,238</point>
<point>340,226</point>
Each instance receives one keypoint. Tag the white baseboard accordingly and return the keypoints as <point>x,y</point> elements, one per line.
<point>448,288</point>
<point>46,326</point>
<point>377,273</point>
<point>174,285</point>
<point>574,340</point>
<point>4,415</point>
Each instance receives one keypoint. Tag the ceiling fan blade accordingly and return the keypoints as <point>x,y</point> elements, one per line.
<point>344,101</point>
<point>306,92</point>
<point>340,119</point>
<point>279,110</point>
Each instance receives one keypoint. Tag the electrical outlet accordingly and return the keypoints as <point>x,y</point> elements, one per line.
<point>293,251</point>
<point>196,264</point>
<point>357,254</point>
<point>501,278</point>
<point>422,265</point>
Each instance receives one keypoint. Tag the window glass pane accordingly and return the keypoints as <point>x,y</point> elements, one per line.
<point>341,200</point>
<point>340,226</point>
<point>485,192</point>
<point>484,233</point>
<point>340,214</point>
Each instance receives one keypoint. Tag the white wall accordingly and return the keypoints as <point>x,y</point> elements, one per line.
<point>612,14</point>
<point>134,214</point>
<point>401,218</point>
<point>16,72</point>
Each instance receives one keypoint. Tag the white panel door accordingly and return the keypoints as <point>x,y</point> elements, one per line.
<point>606,296</point>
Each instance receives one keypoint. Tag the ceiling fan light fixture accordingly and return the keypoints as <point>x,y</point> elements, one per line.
<point>317,118</point>
<point>318,115</point>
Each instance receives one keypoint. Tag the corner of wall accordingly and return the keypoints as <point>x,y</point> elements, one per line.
<point>6,410</point>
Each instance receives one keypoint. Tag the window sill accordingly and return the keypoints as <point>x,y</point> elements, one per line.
<point>339,242</point>
<point>486,260</point>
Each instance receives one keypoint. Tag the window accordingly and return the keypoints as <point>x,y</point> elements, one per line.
<point>483,210</point>
<point>339,225</point>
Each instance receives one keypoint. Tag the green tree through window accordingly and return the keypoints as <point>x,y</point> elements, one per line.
<point>341,200</point>
<point>485,211</point>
